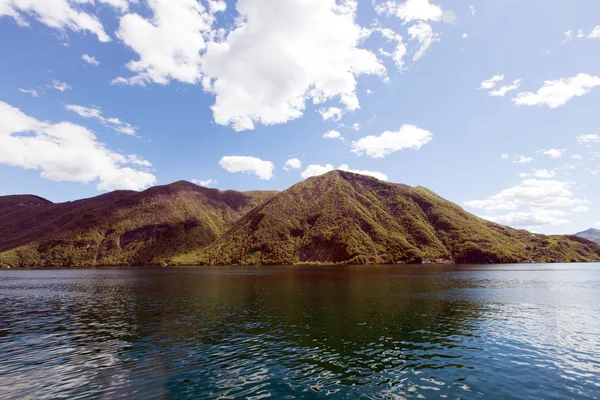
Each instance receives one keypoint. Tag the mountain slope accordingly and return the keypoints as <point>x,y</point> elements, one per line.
<point>341,217</point>
<point>590,234</point>
<point>118,228</point>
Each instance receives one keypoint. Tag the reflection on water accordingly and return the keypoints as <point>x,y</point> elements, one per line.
<point>359,332</point>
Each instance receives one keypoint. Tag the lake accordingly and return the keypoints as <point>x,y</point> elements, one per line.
<point>510,331</point>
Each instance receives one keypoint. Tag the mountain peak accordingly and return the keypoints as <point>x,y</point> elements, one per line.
<point>590,234</point>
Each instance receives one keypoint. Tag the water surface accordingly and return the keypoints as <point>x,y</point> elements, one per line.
<point>516,331</point>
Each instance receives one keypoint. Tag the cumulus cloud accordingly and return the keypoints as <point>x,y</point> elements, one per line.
<point>60,86</point>
<point>539,173</point>
<point>374,174</point>
<point>248,165</point>
<point>502,91</point>
<point>407,137</point>
<point>424,34</point>
<point>316,170</point>
<point>66,152</point>
<point>517,159</point>
<point>58,14</point>
<point>113,123</point>
<point>292,163</point>
<point>331,113</point>
<point>553,153</point>
<point>558,92</point>
<point>333,135</point>
<point>588,138</point>
<point>492,82</point>
<point>504,156</point>
<point>411,10</point>
<point>595,33</point>
<point>168,44</point>
<point>90,60</point>
<point>280,55</point>
<point>119,5</point>
<point>207,182</point>
<point>399,51</point>
<point>30,91</point>
<point>533,202</point>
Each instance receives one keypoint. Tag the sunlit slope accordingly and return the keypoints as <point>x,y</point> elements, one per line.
<point>118,228</point>
<point>341,217</point>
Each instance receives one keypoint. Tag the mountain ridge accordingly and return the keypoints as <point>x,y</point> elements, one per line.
<point>590,234</point>
<point>336,218</point>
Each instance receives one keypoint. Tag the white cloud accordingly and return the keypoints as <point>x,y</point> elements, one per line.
<point>502,91</point>
<point>90,59</point>
<point>168,44</point>
<point>553,153</point>
<point>545,193</point>
<point>30,91</point>
<point>465,35</point>
<point>533,202</point>
<point>408,137</point>
<point>119,5</point>
<point>60,86</point>
<point>333,135</point>
<point>595,33</point>
<point>577,157</point>
<point>491,83</point>
<point>292,163</point>
<point>521,159</point>
<point>539,173</point>
<point>280,55</point>
<point>558,92</point>
<point>399,51</point>
<point>249,165</point>
<point>113,123</point>
<point>589,138</point>
<point>568,36</point>
<point>66,152</point>
<point>374,174</point>
<point>580,209</point>
<point>504,156</point>
<point>207,182</point>
<point>473,11</point>
<point>316,170</point>
<point>58,14</point>
<point>425,35</point>
<point>331,113</point>
<point>411,10</point>
<point>530,219</point>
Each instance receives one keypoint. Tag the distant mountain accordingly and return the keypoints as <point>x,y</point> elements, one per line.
<point>341,217</point>
<point>118,228</point>
<point>591,234</point>
<point>338,217</point>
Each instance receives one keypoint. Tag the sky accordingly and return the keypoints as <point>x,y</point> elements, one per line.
<point>492,104</point>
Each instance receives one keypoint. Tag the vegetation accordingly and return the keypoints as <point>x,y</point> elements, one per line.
<point>338,217</point>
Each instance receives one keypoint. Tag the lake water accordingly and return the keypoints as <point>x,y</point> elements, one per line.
<point>515,331</point>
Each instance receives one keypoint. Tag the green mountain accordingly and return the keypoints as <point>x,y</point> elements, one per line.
<point>591,234</point>
<point>338,217</point>
<point>118,228</point>
<point>341,217</point>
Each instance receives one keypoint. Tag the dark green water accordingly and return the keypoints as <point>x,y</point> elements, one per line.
<point>519,331</point>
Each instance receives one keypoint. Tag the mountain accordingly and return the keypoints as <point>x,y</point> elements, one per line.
<point>338,217</point>
<point>118,228</point>
<point>591,234</point>
<point>341,217</point>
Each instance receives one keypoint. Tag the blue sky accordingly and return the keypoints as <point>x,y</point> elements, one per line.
<point>491,104</point>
